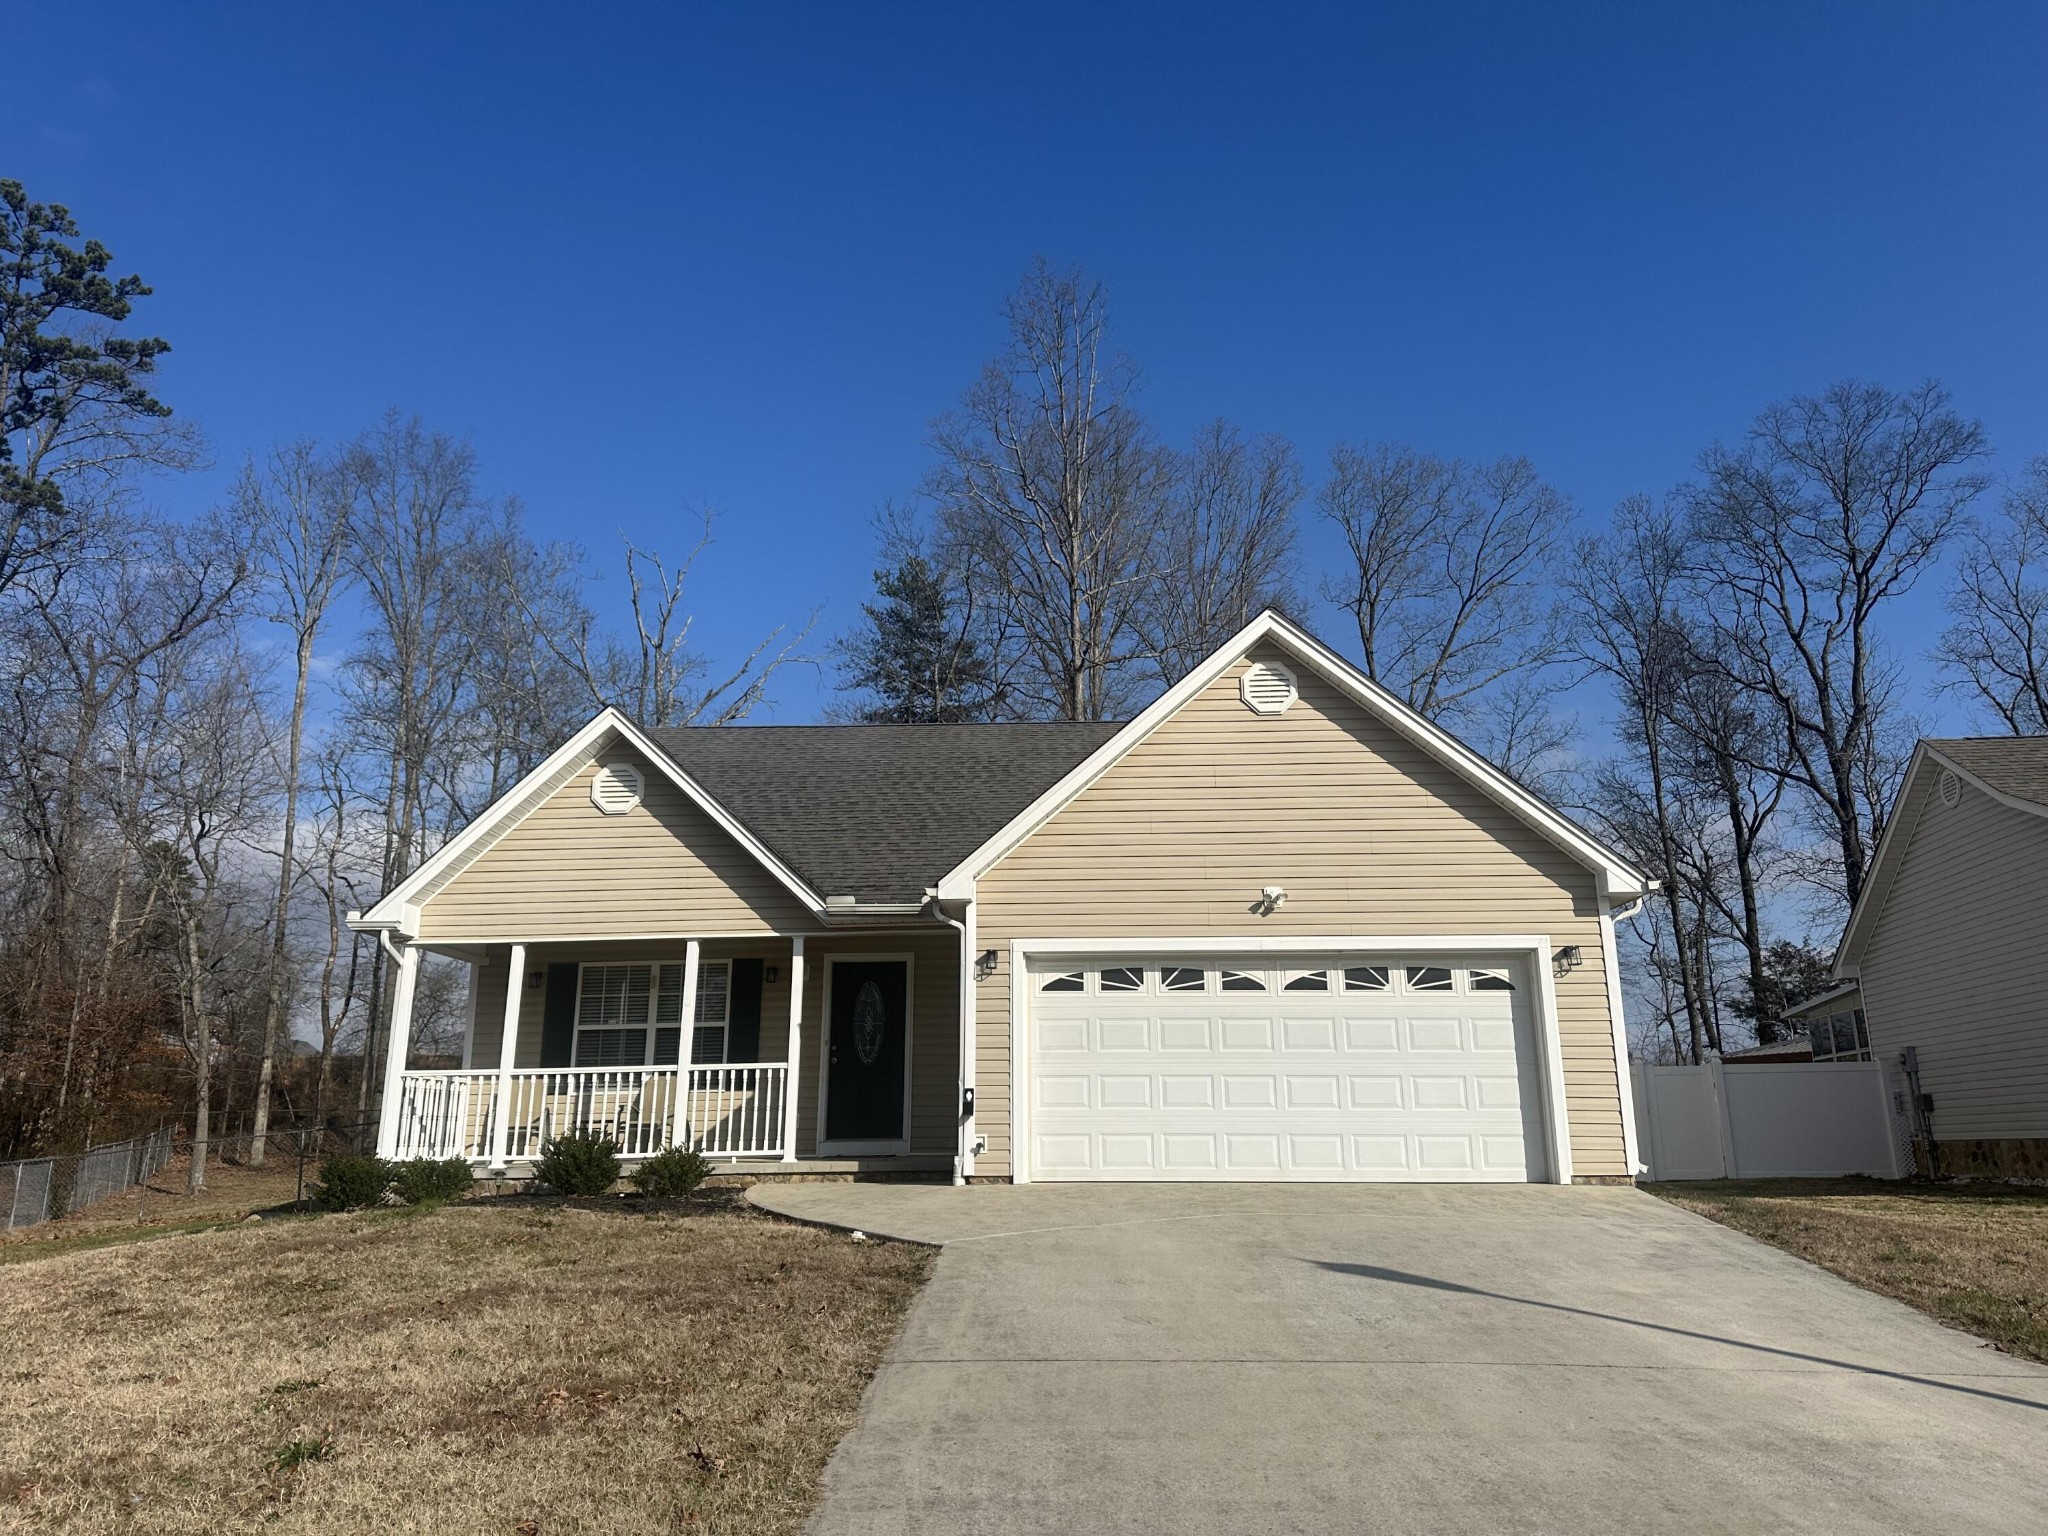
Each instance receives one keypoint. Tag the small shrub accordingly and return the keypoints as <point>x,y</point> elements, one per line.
<point>348,1182</point>
<point>425,1180</point>
<point>581,1163</point>
<point>671,1175</point>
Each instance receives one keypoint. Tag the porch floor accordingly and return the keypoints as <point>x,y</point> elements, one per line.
<point>922,1168</point>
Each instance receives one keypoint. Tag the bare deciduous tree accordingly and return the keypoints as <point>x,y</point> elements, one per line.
<point>1833,507</point>
<point>1225,547</point>
<point>1050,484</point>
<point>1449,573</point>
<point>296,510</point>
<point>1997,649</point>
<point>653,675</point>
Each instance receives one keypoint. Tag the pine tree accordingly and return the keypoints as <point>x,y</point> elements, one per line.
<point>914,656</point>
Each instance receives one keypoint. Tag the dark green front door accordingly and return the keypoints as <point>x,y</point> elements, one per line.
<point>865,1050</point>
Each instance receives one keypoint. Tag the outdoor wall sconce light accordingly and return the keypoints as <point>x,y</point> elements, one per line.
<point>1271,899</point>
<point>1566,959</point>
<point>771,973</point>
<point>535,978</point>
<point>984,965</point>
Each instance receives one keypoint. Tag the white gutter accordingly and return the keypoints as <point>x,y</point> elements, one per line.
<point>963,1158</point>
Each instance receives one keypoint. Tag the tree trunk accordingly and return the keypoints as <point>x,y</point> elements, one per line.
<point>202,1034</point>
<point>273,1013</point>
<point>1752,921</point>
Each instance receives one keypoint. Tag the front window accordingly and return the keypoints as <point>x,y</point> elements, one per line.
<point>631,1015</point>
<point>714,1001</point>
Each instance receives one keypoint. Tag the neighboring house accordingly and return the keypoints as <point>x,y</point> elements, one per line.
<point>1948,943</point>
<point>1776,1051</point>
<point>1833,1025</point>
<point>1278,926</point>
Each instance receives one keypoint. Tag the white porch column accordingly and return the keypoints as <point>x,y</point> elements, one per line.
<point>508,1047</point>
<point>796,1044</point>
<point>684,1132</point>
<point>399,1040</point>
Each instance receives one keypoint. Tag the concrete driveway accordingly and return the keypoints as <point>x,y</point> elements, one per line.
<point>1196,1359</point>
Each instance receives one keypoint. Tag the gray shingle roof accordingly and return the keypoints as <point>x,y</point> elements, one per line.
<point>2012,765</point>
<point>878,812</point>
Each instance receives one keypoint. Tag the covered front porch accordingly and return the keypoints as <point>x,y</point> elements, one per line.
<point>802,1052</point>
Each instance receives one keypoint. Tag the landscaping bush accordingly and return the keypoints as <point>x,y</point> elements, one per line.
<point>425,1180</point>
<point>348,1182</point>
<point>671,1175</point>
<point>581,1163</point>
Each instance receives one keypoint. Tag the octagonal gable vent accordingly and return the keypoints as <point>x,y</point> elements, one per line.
<point>1267,688</point>
<point>616,789</point>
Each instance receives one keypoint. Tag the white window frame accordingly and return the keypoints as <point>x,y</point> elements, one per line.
<point>649,1026</point>
<point>1531,952</point>
<point>723,1025</point>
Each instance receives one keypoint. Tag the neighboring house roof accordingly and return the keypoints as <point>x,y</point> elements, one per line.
<point>1820,1002</point>
<point>2012,766</point>
<point>2013,770</point>
<point>879,812</point>
<point>1777,1050</point>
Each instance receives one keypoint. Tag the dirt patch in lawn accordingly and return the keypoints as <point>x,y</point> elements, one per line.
<point>527,1369</point>
<point>1974,1256</point>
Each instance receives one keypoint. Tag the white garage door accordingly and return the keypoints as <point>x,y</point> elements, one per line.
<point>1329,1067</point>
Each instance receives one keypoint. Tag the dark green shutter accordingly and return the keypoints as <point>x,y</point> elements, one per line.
<point>743,1018</point>
<point>558,1018</point>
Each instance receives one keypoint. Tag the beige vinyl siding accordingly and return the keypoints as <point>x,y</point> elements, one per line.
<point>569,870</point>
<point>934,1039</point>
<point>1369,835</point>
<point>1953,964</point>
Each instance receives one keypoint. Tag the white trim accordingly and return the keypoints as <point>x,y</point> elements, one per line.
<point>1623,1074</point>
<point>796,1045</point>
<point>655,965</point>
<point>1616,877</point>
<point>396,908</point>
<point>508,1054</point>
<point>476,976</point>
<point>686,1014</point>
<point>879,1146</point>
<point>970,997</point>
<point>743,936</point>
<point>398,1040</point>
<point>1535,949</point>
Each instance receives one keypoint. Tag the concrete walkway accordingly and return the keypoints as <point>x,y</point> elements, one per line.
<point>1333,1359</point>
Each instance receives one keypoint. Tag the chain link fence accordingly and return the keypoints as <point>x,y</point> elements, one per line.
<point>37,1188</point>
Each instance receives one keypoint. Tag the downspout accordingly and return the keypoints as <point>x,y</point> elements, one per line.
<point>963,1160</point>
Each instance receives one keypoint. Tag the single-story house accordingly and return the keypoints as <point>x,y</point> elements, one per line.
<point>1278,926</point>
<point>1947,944</point>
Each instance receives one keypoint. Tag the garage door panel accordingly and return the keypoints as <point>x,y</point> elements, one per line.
<point>1159,1082</point>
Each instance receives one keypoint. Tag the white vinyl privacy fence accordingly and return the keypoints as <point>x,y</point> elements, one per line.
<point>1732,1120</point>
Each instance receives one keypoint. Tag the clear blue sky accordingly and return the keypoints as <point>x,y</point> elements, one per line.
<point>652,258</point>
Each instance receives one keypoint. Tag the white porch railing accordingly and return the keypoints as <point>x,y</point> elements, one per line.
<point>727,1111</point>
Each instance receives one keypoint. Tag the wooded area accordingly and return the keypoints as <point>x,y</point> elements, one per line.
<point>192,798</point>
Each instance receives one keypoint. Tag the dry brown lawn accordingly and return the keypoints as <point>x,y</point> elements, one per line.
<point>520,1368</point>
<point>231,1192</point>
<point>1974,1256</point>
